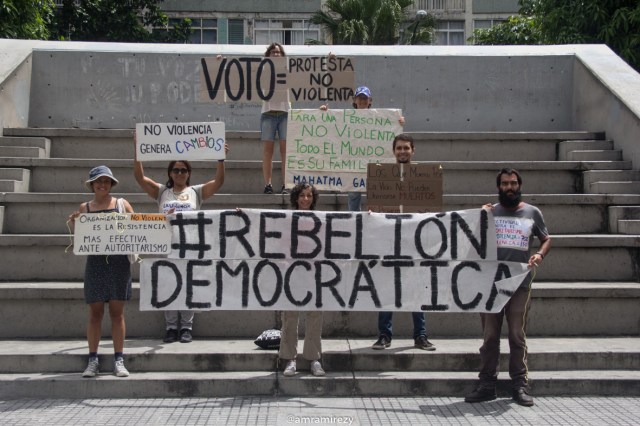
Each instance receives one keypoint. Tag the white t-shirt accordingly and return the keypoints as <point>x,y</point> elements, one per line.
<point>187,200</point>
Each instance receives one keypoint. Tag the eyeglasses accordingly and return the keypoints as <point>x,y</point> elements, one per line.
<point>179,171</point>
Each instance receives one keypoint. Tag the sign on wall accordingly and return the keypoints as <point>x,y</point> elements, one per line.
<point>332,149</point>
<point>345,261</point>
<point>257,79</point>
<point>180,141</point>
<point>121,233</point>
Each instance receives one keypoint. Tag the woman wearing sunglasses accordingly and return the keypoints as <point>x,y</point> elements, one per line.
<point>178,195</point>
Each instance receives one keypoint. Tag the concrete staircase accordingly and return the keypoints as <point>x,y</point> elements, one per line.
<point>588,287</point>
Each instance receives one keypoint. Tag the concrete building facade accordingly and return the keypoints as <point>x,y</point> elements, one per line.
<point>287,21</point>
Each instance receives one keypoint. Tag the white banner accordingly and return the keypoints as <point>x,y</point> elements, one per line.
<point>121,233</point>
<point>180,141</point>
<point>331,149</point>
<point>334,261</point>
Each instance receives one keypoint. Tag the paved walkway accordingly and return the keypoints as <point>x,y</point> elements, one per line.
<point>326,411</point>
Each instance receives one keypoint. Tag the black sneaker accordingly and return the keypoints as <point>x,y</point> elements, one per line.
<point>481,394</point>
<point>382,342</point>
<point>421,342</point>
<point>171,335</point>
<point>185,336</point>
<point>284,190</point>
<point>268,189</point>
<point>521,396</point>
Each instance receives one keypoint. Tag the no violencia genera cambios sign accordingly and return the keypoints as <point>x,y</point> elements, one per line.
<point>180,141</point>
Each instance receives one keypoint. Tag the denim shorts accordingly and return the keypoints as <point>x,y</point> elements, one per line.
<point>273,122</point>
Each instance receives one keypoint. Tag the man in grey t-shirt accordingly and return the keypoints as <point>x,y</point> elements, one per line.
<point>516,224</point>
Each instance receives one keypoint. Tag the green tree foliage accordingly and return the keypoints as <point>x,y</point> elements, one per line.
<point>615,23</point>
<point>363,21</point>
<point>515,30</point>
<point>116,21</point>
<point>25,19</point>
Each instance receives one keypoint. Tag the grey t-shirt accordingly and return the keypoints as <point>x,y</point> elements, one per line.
<point>515,230</point>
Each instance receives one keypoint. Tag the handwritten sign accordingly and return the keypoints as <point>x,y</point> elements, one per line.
<point>308,260</point>
<point>180,141</point>
<point>257,79</point>
<point>331,149</point>
<point>406,188</point>
<point>121,233</point>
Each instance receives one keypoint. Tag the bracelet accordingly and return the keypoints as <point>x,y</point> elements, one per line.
<point>540,254</point>
<point>220,161</point>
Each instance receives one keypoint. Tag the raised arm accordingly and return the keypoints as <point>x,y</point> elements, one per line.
<point>211,187</point>
<point>148,185</point>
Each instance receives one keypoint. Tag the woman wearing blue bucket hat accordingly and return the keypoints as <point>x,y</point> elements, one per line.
<point>107,279</point>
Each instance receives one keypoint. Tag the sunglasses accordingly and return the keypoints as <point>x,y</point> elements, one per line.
<point>179,171</point>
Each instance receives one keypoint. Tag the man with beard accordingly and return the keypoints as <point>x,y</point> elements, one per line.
<point>516,224</point>
<point>403,150</point>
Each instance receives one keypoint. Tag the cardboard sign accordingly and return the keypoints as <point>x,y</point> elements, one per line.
<point>278,79</point>
<point>121,233</point>
<point>331,149</point>
<point>180,141</point>
<point>404,188</point>
<point>308,260</point>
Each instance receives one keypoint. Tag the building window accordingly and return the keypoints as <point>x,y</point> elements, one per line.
<point>485,23</point>
<point>236,31</point>
<point>205,31</point>
<point>267,31</point>
<point>450,33</point>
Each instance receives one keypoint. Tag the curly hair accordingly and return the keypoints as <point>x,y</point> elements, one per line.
<point>273,46</point>
<point>295,193</point>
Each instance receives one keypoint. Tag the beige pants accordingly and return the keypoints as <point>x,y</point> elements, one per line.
<point>312,332</point>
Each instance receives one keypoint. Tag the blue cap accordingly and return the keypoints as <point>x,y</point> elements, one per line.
<point>363,90</point>
<point>97,173</point>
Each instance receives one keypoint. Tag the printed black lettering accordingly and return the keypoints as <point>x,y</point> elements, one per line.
<point>264,234</point>
<point>330,234</point>
<point>196,283</point>
<point>154,283</point>
<point>363,273</point>
<point>287,283</point>
<point>454,286</point>
<point>310,234</point>
<point>256,283</point>
<point>433,265</point>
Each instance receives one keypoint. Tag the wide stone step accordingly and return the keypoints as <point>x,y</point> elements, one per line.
<point>623,187</point>
<point>246,145</point>
<point>595,155</point>
<point>564,147</point>
<point>10,185</point>
<point>22,151</point>
<point>46,213</point>
<point>225,384</point>
<point>14,179</point>
<point>593,176</point>
<point>27,141</point>
<point>558,309</point>
<point>559,366</point>
<point>245,177</point>
<point>590,257</point>
<point>629,227</point>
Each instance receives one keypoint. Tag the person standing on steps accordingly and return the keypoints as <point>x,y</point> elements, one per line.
<point>362,99</point>
<point>273,120</point>
<point>519,222</point>
<point>403,150</point>
<point>107,279</point>
<point>304,196</point>
<point>178,195</point>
